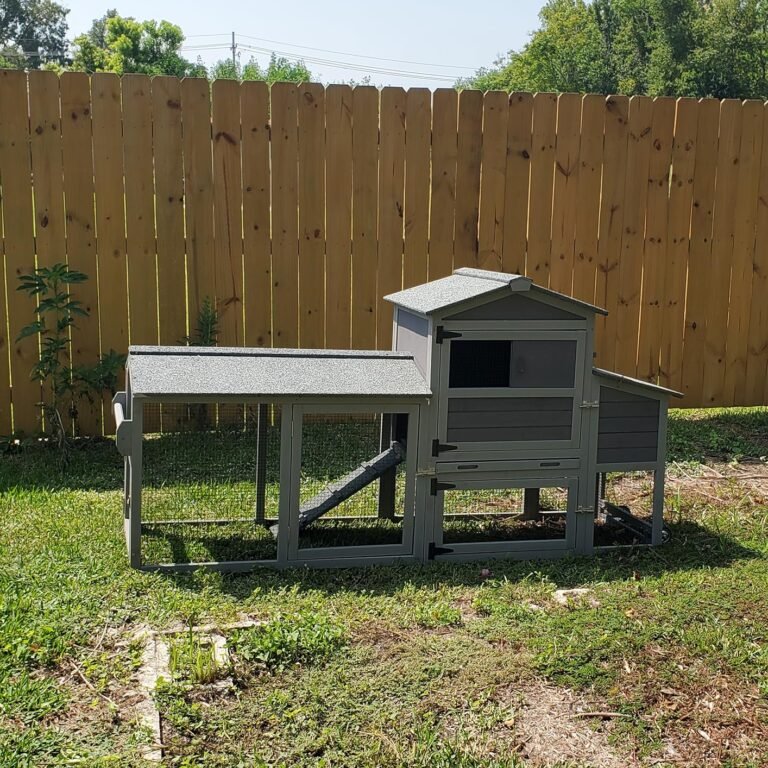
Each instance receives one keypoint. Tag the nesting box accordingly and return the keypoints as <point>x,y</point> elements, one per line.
<point>486,432</point>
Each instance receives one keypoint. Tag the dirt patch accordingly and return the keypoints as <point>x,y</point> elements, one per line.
<point>551,728</point>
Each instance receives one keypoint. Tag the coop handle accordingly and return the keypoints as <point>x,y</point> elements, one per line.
<point>122,425</point>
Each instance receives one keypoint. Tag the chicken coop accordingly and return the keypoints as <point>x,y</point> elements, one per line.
<point>486,432</point>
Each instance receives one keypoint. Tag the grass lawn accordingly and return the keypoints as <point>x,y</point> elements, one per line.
<point>439,666</point>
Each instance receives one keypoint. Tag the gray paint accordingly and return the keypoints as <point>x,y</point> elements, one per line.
<point>635,385</point>
<point>511,419</point>
<point>624,436</point>
<point>412,336</point>
<point>514,307</point>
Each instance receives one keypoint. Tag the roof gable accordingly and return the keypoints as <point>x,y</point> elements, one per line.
<point>465,285</point>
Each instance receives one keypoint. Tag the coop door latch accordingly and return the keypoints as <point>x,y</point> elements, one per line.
<point>435,485</point>
<point>590,404</point>
<point>438,447</point>
<point>441,334</point>
<point>434,550</point>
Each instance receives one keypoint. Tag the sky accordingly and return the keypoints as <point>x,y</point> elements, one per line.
<point>427,44</point>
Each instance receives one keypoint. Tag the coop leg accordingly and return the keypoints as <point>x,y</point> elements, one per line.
<point>261,463</point>
<point>389,478</point>
<point>531,503</point>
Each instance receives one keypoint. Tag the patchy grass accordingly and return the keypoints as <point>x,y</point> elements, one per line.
<point>449,665</point>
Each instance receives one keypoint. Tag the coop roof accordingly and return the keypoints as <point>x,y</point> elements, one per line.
<point>276,373</point>
<point>619,378</point>
<point>466,284</point>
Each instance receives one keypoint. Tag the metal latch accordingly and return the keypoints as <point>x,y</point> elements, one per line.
<point>441,334</point>
<point>590,404</point>
<point>435,550</point>
<point>585,510</point>
<point>435,486</point>
<point>438,447</point>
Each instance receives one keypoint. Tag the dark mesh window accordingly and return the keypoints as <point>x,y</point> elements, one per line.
<point>479,363</point>
<point>543,363</point>
<point>524,363</point>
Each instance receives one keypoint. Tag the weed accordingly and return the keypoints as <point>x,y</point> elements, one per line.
<point>286,640</point>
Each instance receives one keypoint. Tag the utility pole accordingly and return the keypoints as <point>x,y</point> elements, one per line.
<point>234,58</point>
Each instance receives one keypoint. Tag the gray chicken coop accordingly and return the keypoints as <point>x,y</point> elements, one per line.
<point>485,433</point>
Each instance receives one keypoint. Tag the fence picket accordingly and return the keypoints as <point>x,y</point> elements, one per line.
<point>338,236</point>
<point>468,147</point>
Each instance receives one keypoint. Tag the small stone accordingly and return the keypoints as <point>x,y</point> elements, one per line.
<point>571,596</point>
<point>486,573</point>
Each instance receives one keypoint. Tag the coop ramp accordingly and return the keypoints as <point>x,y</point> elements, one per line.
<point>339,491</point>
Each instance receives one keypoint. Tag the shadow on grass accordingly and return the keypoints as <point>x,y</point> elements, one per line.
<point>720,434</point>
<point>691,547</point>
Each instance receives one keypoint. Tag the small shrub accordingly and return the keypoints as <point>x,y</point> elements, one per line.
<point>301,638</point>
<point>438,614</point>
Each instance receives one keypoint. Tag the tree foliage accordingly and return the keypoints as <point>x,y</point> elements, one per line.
<point>655,47</point>
<point>278,69</point>
<point>122,44</point>
<point>32,32</point>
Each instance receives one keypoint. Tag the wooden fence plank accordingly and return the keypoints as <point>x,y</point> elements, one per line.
<point>338,236</point>
<point>311,118</point>
<point>566,184</point>
<point>418,127</point>
<point>748,183</point>
<point>227,205</point>
<point>198,193</point>
<point>139,210</point>
<point>699,256</point>
<point>540,199</point>
<point>391,208</point>
<point>285,222</point>
<point>6,415</point>
<point>77,161</point>
<point>257,250</point>
<point>48,181</point>
<point>445,104</point>
<point>490,232</point>
<point>588,197</point>
<point>756,390</point>
<point>611,219</point>
<point>169,209</point>
<point>365,155</point>
<point>719,276</point>
<point>16,172</point>
<point>678,241</point>
<point>110,218</point>
<point>627,319</point>
<point>655,246</point>
<point>469,147</point>
<point>516,183</point>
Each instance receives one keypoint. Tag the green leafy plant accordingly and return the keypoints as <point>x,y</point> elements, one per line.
<point>56,312</point>
<point>300,638</point>
<point>207,329</point>
<point>194,659</point>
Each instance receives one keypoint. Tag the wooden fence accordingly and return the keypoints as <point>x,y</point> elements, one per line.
<point>299,207</point>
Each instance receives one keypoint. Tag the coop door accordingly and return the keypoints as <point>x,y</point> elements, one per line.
<point>511,391</point>
<point>495,516</point>
<point>352,483</point>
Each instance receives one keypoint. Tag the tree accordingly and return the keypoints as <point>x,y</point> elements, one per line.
<point>122,44</point>
<point>32,32</point>
<point>278,69</point>
<point>653,47</point>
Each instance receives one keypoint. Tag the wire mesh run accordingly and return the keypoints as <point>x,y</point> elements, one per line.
<point>624,509</point>
<point>352,485</point>
<point>504,515</point>
<point>210,488</point>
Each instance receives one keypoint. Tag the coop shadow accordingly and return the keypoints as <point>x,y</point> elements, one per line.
<point>690,547</point>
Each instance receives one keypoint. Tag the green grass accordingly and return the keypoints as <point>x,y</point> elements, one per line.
<point>400,666</point>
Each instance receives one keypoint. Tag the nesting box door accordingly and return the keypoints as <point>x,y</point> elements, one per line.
<point>511,390</point>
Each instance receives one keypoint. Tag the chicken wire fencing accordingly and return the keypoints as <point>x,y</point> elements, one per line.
<point>352,487</point>
<point>492,515</point>
<point>211,482</point>
<point>624,508</point>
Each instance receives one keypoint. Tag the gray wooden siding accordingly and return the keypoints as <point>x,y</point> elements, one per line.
<point>628,427</point>
<point>413,336</point>
<point>514,419</point>
<point>515,307</point>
